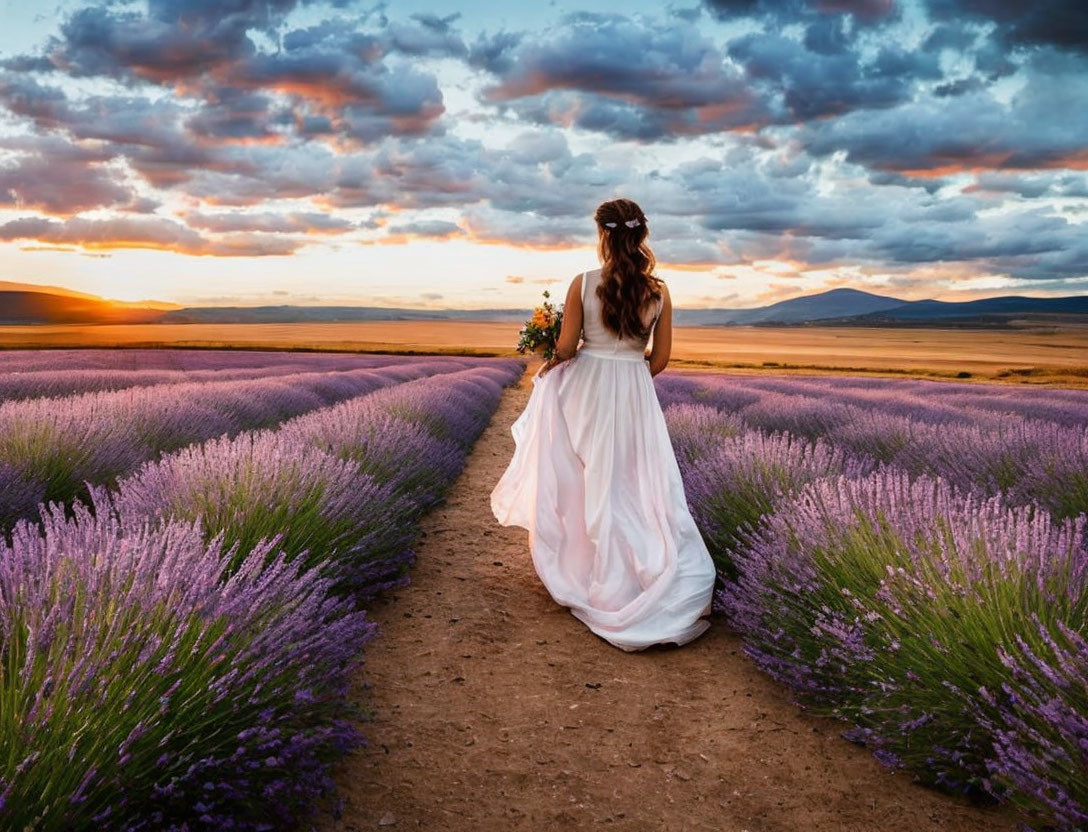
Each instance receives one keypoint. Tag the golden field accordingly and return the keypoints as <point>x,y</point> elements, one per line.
<point>1038,355</point>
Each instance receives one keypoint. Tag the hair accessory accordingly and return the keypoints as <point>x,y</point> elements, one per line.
<point>610,224</point>
<point>629,223</point>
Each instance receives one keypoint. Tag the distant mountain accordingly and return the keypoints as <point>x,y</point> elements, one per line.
<point>834,303</point>
<point>24,308</point>
<point>9,286</point>
<point>851,307</point>
<point>999,307</point>
<point>27,304</point>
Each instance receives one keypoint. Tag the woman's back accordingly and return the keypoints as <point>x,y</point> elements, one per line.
<point>596,337</point>
<point>594,478</point>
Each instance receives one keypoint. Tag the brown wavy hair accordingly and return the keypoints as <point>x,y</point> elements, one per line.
<point>627,264</point>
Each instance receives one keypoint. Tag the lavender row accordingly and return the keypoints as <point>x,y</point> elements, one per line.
<point>49,448</point>
<point>915,387</point>
<point>733,475</point>
<point>1067,407</point>
<point>1027,459</point>
<point>342,485</point>
<point>41,383</point>
<point>1012,392</point>
<point>189,360</point>
<point>922,400</point>
<point>140,688</point>
<point>945,627</point>
<point>175,667</point>
<point>57,383</point>
<point>942,619</point>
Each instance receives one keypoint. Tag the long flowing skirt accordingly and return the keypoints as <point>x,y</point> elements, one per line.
<point>595,481</point>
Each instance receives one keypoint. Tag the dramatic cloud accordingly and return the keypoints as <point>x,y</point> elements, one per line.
<point>62,179</point>
<point>292,223</point>
<point>332,78</point>
<point>1042,126</point>
<point>427,228</point>
<point>627,77</point>
<point>903,138</point>
<point>863,11</point>
<point>143,233</point>
<point>821,77</point>
<point>1058,23</point>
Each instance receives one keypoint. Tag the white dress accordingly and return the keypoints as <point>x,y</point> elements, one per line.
<point>595,482</point>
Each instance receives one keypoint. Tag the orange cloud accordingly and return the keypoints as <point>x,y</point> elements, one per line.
<point>690,266</point>
<point>295,222</point>
<point>776,291</point>
<point>150,233</point>
<point>1006,160</point>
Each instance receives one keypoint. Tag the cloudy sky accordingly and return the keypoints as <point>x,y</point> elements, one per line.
<point>438,154</point>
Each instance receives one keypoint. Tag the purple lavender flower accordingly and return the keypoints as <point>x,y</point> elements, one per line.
<point>54,446</point>
<point>734,480</point>
<point>1039,723</point>
<point>256,486</point>
<point>1055,475</point>
<point>120,615</point>
<point>170,675</point>
<point>885,599</point>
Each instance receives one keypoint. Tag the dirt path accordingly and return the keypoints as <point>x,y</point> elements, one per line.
<point>496,709</point>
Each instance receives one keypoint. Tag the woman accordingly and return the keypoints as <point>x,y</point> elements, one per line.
<point>593,477</point>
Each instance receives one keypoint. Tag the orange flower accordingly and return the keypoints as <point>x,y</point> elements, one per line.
<point>541,318</point>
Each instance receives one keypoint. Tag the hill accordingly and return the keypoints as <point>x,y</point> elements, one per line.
<point>31,307</point>
<point>27,304</point>
<point>835,303</point>
<point>999,308</point>
<point>9,286</point>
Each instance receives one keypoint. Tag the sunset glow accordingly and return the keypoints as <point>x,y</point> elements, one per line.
<point>425,154</point>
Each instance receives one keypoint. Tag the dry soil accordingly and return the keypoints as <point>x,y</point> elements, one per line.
<point>495,709</point>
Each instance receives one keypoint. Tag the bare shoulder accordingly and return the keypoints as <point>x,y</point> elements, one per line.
<point>574,289</point>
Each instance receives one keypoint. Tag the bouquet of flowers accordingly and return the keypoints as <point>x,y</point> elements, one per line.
<point>540,333</point>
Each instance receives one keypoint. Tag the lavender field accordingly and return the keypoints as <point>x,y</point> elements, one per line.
<point>53,444</point>
<point>190,541</point>
<point>910,557</point>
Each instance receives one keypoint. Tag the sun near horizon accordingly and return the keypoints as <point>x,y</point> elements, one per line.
<point>424,156</point>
